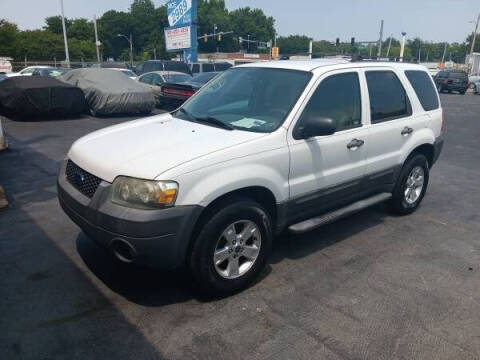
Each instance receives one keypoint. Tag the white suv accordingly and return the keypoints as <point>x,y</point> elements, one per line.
<point>261,148</point>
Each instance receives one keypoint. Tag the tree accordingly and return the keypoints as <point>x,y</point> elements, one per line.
<point>8,33</point>
<point>293,44</point>
<point>54,24</point>
<point>81,29</point>
<point>253,22</point>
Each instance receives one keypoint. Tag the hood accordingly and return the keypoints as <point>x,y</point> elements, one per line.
<point>148,147</point>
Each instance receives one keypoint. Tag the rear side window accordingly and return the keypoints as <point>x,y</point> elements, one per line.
<point>208,68</point>
<point>388,98</point>
<point>424,89</point>
<point>458,75</point>
<point>195,68</point>
<point>147,79</point>
<point>338,98</point>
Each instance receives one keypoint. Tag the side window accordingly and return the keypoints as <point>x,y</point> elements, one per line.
<point>146,79</point>
<point>195,68</point>
<point>157,80</point>
<point>338,98</point>
<point>424,89</point>
<point>388,98</point>
<point>208,67</point>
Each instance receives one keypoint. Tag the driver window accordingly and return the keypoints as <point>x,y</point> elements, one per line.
<point>338,98</point>
<point>157,80</point>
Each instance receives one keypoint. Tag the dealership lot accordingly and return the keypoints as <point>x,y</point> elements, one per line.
<point>371,286</point>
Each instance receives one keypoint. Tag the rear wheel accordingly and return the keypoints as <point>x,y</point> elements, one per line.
<point>411,186</point>
<point>463,92</point>
<point>231,247</point>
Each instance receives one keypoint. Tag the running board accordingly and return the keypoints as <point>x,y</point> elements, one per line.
<point>332,216</point>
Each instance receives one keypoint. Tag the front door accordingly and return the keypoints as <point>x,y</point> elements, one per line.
<point>326,171</point>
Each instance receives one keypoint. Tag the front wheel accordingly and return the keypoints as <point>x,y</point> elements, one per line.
<point>411,186</point>
<point>231,247</point>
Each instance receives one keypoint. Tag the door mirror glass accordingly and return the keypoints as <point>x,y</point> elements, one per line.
<point>318,126</point>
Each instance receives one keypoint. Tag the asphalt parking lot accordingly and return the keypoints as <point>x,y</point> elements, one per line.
<point>371,286</point>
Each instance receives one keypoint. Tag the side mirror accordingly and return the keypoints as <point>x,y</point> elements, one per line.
<point>317,126</point>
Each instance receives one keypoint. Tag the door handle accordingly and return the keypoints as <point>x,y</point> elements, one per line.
<point>355,144</point>
<point>406,131</point>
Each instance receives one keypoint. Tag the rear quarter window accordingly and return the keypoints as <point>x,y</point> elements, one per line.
<point>424,89</point>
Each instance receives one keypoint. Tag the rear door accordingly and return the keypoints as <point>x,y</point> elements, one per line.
<point>392,123</point>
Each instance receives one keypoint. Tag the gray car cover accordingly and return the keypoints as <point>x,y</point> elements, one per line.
<point>110,92</point>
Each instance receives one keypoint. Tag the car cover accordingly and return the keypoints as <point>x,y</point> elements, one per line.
<point>37,96</point>
<point>110,92</point>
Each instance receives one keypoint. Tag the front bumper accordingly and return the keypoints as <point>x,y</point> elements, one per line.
<point>158,238</point>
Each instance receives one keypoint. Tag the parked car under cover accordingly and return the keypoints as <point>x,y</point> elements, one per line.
<point>51,71</point>
<point>38,96</point>
<point>110,92</point>
<point>173,95</point>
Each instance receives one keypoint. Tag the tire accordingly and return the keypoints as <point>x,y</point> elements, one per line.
<point>217,279</point>
<point>400,203</point>
<point>462,92</point>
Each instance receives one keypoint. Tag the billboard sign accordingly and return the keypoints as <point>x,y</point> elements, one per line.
<point>178,38</point>
<point>180,12</point>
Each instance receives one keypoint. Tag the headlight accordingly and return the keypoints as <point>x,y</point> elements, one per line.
<point>143,194</point>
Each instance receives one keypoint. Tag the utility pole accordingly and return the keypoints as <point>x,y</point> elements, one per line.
<point>67,56</point>
<point>475,35</point>
<point>97,43</point>
<point>444,53</point>
<point>419,54</point>
<point>248,43</point>
<point>402,47</point>
<point>379,51</point>
<point>389,45</point>
<point>310,47</point>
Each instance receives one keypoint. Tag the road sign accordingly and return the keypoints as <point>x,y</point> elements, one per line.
<point>179,12</point>
<point>178,38</point>
<point>182,18</point>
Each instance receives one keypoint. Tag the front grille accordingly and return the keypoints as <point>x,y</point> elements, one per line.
<point>82,180</point>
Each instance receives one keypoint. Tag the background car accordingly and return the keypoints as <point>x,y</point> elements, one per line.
<point>155,79</point>
<point>52,72</point>
<point>127,72</point>
<point>110,92</point>
<point>452,80</point>
<point>209,67</point>
<point>172,95</point>
<point>162,65</point>
<point>111,65</point>
<point>28,71</point>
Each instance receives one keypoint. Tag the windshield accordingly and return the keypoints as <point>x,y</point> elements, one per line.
<point>129,73</point>
<point>176,78</point>
<point>458,75</point>
<point>203,78</point>
<point>251,99</point>
<point>57,72</point>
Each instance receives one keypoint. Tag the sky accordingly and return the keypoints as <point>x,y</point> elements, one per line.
<point>431,20</point>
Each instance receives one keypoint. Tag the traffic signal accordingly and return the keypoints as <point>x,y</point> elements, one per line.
<point>275,52</point>
<point>337,42</point>
<point>352,41</point>
<point>219,38</point>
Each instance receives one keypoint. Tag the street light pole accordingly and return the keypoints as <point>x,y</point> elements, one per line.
<point>475,34</point>
<point>248,43</point>
<point>131,46</point>
<point>402,47</point>
<point>67,56</point>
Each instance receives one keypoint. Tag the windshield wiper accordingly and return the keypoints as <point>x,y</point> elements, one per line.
<point>208,119</point>
<point>214,121</point>
<point>187,114</point>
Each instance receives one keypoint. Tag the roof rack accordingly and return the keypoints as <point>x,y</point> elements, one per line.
<point>359,58</point>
